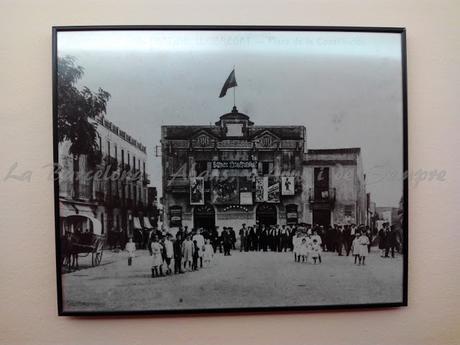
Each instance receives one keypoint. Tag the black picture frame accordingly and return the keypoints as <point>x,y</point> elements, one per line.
<point>216,311</point>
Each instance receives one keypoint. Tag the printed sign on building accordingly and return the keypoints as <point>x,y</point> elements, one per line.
<point>197,191</point>
<point>225,191</point>
<point>175,216</point>
<point>245,191</point>
<point>261,189</point>
<point>287,185</point>
<point>273,190</point>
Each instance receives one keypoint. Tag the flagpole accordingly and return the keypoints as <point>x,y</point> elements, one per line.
<point>234,90</point>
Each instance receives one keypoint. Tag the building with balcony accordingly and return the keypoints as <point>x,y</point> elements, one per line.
<point>336,192</point>
<point>236,172</point>
<point>110,187</point>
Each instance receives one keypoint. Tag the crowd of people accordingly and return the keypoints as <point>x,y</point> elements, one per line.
<point>190,250</point>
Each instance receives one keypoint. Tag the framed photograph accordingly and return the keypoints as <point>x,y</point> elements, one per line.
<point>229,168</point>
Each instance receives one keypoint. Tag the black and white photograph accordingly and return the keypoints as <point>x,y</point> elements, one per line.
<point>229,168</point>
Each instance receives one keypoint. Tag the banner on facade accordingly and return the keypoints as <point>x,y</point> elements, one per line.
<point>233,164</point>
<point>287,185</point>
<point>224,191</point>
<point>273,190</point>
<point>196,191</point>
<point>245,185</point>
<point>261,189</point>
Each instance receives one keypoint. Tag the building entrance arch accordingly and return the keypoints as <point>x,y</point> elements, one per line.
<point>266,214</point>
<point>204,216</point>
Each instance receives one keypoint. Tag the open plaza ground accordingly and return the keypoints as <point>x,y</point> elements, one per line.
<point>247,279</point>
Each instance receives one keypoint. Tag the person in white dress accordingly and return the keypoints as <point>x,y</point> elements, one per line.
<point>157,259</point>
<point>296,243</point>
<point>363,250</point>
<point>198,237</point>
<point>303,250</point>
<point>169,253</point>
<point>315,251</point>
<point>316,237</point>
<point>208,253</point>
<point>308,246</point>
<point>131,249</point>
<point>355,248</point>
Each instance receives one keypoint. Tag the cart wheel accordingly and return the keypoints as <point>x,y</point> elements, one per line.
<point>98,258</point>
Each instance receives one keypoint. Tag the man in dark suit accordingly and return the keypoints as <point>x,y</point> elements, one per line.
<point>339,239</point>
<point>347,240</point>
<point>391,242</point>
<point>226,241</point>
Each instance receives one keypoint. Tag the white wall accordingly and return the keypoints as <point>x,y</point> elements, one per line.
<point>28,288</point>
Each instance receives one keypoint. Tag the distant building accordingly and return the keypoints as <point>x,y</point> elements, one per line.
<point>389,215</point>
<point>153,210</point>
<point>111,187</point>
<point>335,187</point>
<point>237,172</point>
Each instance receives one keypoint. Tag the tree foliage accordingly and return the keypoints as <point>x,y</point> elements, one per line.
<point>77,109</point>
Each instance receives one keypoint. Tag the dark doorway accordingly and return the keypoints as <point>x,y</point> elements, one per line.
<point>322,217</point>
<point>266,214</point>
<point>204,217</point>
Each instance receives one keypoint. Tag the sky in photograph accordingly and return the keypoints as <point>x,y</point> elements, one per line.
<point>345,88</point>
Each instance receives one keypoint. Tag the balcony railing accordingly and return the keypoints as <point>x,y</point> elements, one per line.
<point>178,183</point>
<point>321,195</point>
<point>82,191</point>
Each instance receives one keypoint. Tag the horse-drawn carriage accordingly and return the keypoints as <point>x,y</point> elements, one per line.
<point>83,237</point>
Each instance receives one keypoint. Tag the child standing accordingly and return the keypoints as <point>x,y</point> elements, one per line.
<point>168,253</point>
<point>157,260</point>
<point>303,250</point>
<point>130,248</point>
<point>296,243</point>
<point>208,253</point>
<point>316,251</point>
<point>309,244</point>
<point>363,243</point>
<point>355,248</point>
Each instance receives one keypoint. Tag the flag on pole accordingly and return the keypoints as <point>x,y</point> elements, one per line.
<point>229,83</point>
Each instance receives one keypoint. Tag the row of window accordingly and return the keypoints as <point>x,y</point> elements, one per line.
<point>132,191</point>
<point>129,157</point>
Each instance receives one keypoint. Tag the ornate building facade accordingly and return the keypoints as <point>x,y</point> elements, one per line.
<point>231,173</point>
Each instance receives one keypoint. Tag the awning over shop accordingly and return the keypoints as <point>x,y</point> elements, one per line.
<point>147,223</point>
<point>137,223</point>
<point>66,210</point>
<point>97,226</point>
<point>84,210</point>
